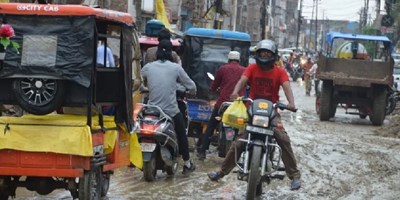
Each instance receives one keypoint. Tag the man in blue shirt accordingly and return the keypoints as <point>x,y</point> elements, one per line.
<point>100,55</point>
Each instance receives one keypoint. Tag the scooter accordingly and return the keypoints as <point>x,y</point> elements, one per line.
<point>157,138</point>
<point>262,156</point>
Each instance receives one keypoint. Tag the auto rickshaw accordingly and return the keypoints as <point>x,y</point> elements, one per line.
<point>204,51</point>
<point>75,130</point>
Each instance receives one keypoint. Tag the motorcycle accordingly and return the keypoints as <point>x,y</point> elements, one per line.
<point>392,99</point>
<point>157,138</point>
<point>297,71</point>
<point>262,156</point>
<point>226,134</point>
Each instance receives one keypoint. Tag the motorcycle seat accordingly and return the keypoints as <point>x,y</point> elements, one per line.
<point>151,111</point>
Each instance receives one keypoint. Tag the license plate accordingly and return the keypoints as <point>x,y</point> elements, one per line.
<point>148,147</point>
<point>255,129</point>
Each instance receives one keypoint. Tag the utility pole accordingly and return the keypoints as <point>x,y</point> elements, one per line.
<point>235,8</point>
<point>316,25</point>
<point>299,5</point>
<point>312,16</point>
<point>263,16</point>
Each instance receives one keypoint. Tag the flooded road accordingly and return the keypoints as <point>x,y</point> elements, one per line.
<point>344,158</point>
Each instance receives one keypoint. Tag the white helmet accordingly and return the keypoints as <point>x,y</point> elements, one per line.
<point>266,45</point>
<point>234,55</point>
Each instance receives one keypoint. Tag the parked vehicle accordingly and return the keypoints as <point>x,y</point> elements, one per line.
<point>361,82</point>
<point>262,156</point>
<point>76,149</point>
<point>158,141</point>
<point>205,50</point>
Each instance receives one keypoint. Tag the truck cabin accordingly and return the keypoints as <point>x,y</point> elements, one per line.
<point>358,47</point>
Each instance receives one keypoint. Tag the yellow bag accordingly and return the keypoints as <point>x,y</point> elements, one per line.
<point>236,114</point>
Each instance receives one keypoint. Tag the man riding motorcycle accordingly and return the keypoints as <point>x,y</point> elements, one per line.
<point>226,77</point>
<point>265,79</point>
<point>161,78</point>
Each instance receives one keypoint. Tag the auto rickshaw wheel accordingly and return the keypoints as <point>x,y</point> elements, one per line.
<point>90,185</point>
<point>4,195</point>
<point>4,188</point>
<point>105,184</point>
<point>39,96</point>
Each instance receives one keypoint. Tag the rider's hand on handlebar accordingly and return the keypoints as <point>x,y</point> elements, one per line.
<point>291,107</point>
<point>234,96</point>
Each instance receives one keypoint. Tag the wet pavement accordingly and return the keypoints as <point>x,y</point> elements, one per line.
<point>339,159</point>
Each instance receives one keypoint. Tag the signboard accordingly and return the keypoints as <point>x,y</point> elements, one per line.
<point>385,29</point>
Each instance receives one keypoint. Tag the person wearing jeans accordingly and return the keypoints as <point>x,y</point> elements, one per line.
<point>226,78</point>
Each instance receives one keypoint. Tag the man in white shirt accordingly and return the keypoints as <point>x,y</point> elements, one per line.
<point>312,72</point>
<point>109,56</point>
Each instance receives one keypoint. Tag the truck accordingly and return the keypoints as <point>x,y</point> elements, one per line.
<point>357,74</point>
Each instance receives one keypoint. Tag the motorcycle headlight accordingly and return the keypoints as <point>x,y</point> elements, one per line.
<point>262,121</point>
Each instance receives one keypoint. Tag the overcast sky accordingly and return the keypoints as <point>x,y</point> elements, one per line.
<point>338,9</point>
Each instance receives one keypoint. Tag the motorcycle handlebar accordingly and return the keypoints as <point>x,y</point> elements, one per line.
<point>284,107</point>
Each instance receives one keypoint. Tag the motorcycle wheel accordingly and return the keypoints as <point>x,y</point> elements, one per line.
<point>254,175</point>
<point>295,76</point>
<point>391,105</point>
<point>171,170</point>
<point>221,142</point>
<point>149,169</point>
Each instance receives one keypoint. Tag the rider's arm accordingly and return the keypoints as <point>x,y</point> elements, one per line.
<point>185,80</point>
<point>217,82</point>
<point>289,94</point>
<point>239,86</point>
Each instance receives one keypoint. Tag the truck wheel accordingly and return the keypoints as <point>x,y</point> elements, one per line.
<point>38,96</point>
<point>325,111</point>
<point>318,104</point>
<point>378,107</point>
<point>332,112</point>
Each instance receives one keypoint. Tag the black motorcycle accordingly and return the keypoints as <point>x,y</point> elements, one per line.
<point>262,156</point>
<point>297,71</point>
<point>226,134</point>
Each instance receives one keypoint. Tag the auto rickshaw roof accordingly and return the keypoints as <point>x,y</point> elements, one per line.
<point>217,33</point>
<point>65,10</point>
<point>349,36</point>
<point>154,41</point>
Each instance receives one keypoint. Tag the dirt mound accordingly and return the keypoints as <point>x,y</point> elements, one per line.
<point>391,129</point>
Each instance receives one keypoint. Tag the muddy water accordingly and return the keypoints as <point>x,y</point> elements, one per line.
<point>342,158</point>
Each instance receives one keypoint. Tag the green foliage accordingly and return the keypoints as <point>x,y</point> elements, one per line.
<point>5,42</point>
